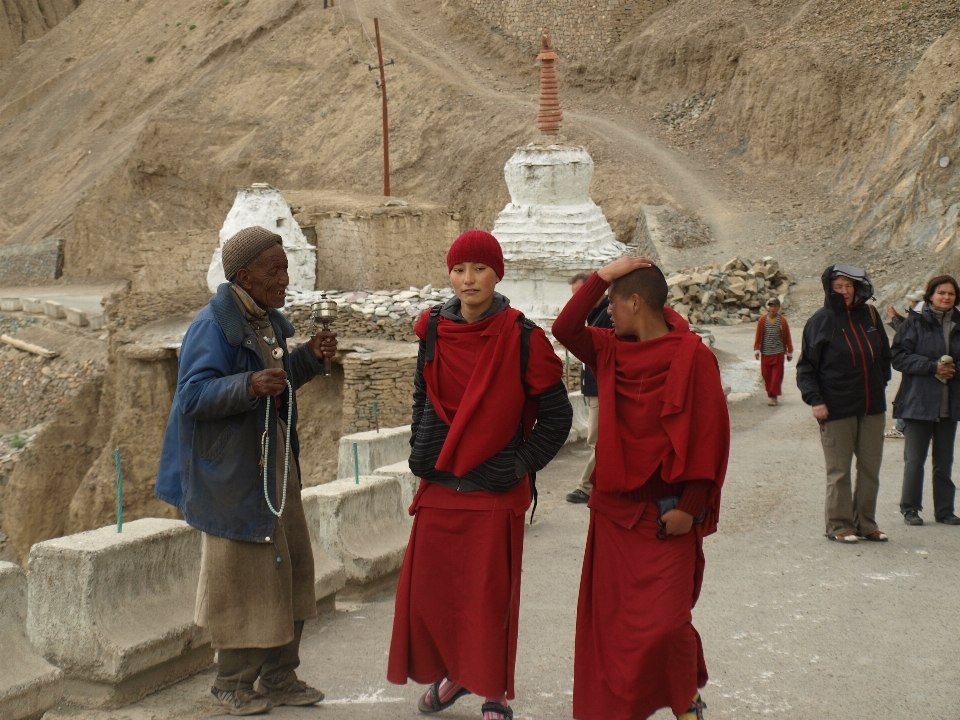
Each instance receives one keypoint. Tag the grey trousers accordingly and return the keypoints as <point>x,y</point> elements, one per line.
<point>849,508</point>
<point>917,436</point>
<point>593,423</point>
<point>239,669</point>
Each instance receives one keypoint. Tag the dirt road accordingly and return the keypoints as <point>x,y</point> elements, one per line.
<point>793,626</point>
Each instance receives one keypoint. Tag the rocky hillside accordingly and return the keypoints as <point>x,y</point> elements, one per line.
<point>131,118</point>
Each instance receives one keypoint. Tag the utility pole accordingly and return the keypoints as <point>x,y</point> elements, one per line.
<point>386,124</point>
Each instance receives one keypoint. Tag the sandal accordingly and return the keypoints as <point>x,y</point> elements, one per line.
<point>695,711</point>
<point>435,706</point>
<point>876,536</point>
<point>847,537</point>
<point>493,707</point>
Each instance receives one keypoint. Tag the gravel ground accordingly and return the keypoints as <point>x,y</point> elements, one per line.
<point>793,626</point>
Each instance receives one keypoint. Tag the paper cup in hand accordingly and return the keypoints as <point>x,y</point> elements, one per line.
<point>946,359</point>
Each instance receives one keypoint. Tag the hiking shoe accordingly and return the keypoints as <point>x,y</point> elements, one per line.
<point>910,517</point>
<point>296,693</point>
<point>950,519</point>
<point>578,496</point>
<point>242,701</point>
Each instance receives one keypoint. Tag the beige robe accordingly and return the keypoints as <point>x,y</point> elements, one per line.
<point>245,597</point>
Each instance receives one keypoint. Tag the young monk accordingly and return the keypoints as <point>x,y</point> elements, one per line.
<point>661,458</point>
<point>484,376</point>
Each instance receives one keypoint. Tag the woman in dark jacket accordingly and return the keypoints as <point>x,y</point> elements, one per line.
<point>842,373</point>
<point>929,398</point>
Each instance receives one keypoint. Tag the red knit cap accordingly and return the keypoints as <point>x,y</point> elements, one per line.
<point>476,246</point>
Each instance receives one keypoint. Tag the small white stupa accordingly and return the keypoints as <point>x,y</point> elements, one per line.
<point>263,205</point>
<point>551,229</point>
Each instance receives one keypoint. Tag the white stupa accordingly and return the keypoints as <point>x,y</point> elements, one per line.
<point>551,229</point>
<point>263,205</point>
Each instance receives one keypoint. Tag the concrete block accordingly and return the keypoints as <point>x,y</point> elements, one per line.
<point>98,322</point>
<point>581,413</point>
<point>362,527</point>
<point>409,483</point>
<point>77,317</point>
<point>374,450</point>
<point>54,310</point>
<point>29,685</point>
<point>10,304</point>
<point>115,610</point>
<point>32,305</point>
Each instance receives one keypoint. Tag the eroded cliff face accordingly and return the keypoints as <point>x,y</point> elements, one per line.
<point>23,20</point>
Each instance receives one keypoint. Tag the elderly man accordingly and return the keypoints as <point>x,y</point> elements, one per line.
<point>230,464</point>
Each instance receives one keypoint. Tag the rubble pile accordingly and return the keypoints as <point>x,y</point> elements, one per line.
<point>676,115</point>
<point>728,295</point>
<point>385,314</point>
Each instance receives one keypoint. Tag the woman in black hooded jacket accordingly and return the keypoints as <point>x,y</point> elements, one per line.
<point>842,373</point>
<point>929,398</point>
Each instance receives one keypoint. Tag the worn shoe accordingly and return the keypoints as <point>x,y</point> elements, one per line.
<point>894,434</point>
<point>242,702</point>
<point>771,401</point>
<point>578,496</point>
<point>496,711</point>
<point>910,517</point>
<point>845,537</point>
<point>296,693</point>
<point>950,520</point>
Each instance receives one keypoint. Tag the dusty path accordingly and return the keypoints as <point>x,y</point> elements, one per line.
<point>793,626</point>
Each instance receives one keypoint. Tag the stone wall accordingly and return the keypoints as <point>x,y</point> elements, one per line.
<point>580,31</point>
<point>362,242</point>
<point>36,263</point>
<point>384,376</point>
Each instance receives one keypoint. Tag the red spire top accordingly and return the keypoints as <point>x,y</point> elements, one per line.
<point>549,117</point>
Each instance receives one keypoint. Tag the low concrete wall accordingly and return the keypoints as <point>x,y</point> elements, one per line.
<point>360,526</point>
<point>409,483</point>
<point>115,610</point>
<point>35,263</point>
<point>374,450</point>
<point>29,686</point>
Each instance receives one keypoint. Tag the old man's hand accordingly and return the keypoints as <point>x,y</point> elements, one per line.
<point>324,344</point>
<point>267,383</point>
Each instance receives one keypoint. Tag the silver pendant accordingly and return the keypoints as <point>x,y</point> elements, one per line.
<point>268,340</point>
<point>277,353</point>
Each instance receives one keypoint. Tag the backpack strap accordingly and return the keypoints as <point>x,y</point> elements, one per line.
<point>431,340</point>
<point>526,327</point>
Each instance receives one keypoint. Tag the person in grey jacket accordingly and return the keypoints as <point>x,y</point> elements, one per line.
<point>925,350</point>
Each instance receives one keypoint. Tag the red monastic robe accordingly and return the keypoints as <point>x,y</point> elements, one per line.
<point>458,597</point>
<point>664,430</point>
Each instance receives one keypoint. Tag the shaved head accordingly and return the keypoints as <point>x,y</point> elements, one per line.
<point>649,283</point>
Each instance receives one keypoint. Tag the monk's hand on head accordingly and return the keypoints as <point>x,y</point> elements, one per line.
<point>677,522</point>
<point>324,344</point>
<point>267,383</point>
<point>619,268</point>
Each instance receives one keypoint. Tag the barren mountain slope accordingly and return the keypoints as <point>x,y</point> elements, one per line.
<point>124,121</point>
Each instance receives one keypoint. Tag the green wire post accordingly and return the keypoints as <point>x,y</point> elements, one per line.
<point>356,465</point>
<point>116,462</point>
<point>376,415</point>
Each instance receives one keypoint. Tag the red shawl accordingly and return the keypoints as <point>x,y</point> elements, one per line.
<point>474,384</point>
<point>661,405</point>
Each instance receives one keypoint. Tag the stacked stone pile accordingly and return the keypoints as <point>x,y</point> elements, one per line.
<point>728,295</point>
<point>385,314</point>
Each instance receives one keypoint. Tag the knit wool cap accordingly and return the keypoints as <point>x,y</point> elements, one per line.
<point>244,247</point>
<point>476,246</point>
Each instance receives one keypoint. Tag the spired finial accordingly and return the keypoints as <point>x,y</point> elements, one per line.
<point>549,116</point>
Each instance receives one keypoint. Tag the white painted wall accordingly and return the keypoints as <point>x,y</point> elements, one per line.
<point>263,205</point>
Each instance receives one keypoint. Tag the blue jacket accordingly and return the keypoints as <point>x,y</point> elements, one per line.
<point>210,463</point>
<point>917,347</point>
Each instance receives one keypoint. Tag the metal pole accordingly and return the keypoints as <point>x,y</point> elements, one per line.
<point>116,462</point>
<point>356,465</point>
<point>386,125</point>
